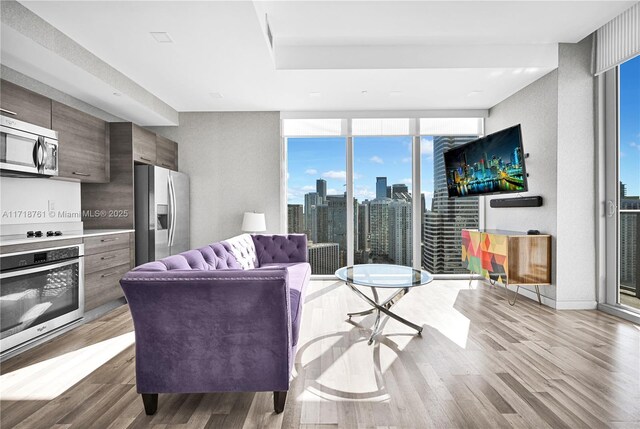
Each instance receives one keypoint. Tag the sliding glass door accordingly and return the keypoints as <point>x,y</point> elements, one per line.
<point>623,177</point>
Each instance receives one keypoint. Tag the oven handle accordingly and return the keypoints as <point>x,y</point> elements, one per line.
<point>40,268</point>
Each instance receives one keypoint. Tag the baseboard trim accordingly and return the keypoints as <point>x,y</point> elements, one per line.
<point>576,305</point>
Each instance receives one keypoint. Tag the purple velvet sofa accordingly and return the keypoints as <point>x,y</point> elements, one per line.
<point>224,317</point>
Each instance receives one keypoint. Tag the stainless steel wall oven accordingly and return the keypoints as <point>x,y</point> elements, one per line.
<point>40,291</point>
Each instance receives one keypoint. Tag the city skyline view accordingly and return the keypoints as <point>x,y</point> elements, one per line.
<point>383,202</point>
<point>325,158</point>
<point>630,125</point>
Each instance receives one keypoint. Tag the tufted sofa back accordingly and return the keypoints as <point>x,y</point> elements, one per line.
<point>216,256</point>
<point>242,252</point>
<point>280,248</point>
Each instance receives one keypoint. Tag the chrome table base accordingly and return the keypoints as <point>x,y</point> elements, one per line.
<point>381,307</point>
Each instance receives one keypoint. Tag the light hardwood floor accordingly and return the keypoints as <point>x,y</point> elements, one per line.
<point>479,363</point>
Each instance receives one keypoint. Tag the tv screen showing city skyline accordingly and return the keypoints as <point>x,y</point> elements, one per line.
<point>489,165</point>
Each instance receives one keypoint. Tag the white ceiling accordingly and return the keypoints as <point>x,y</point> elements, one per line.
<point>484,47</point>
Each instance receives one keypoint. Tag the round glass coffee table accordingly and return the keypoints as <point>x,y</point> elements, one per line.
<point>383,276</point>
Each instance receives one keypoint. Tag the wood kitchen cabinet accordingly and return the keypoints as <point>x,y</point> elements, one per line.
<point>24,105</point>
<point>106,259</point>
<point>83,144</point>
<point>144,145</point>
<point>166,153</point>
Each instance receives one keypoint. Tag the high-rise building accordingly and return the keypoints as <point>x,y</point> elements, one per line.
<point>363,226</point>
<point>444,223</point>
<point>381,187</point>
<point>311,201</point>
<point>362,239</point>
<point>400,237</point>
<point>321,189</point>
<point>629,243</point>
<point>337,223</point>
<point>324,257</point>
<point>389,192</point>
<point>322,223</point>
<point>379,228</point>
<point>295,218</point>
<point>400,191</point>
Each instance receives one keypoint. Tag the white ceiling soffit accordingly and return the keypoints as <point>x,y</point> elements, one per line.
<point>427,34</point>
<point>329,56</point>
<point>35,48</point>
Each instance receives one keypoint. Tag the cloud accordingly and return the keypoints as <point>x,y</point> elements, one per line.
<point>634,145</point>
<point>376,160</point>
<point>426,149</point>
<point>308,188</point>
<point>364,193</point>
<point>311,171</point>
<point>406,160</point>
<point>333,191</point>
<point>407,181</point>
<point>332,174</point>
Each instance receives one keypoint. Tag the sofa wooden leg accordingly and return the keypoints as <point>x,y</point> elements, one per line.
<point>279,398</point>
<point>150,401</point>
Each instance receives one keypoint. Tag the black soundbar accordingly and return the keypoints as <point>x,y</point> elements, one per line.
<point>516,202</point>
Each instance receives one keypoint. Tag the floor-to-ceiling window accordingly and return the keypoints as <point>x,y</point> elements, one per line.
<point>388,224</point>
<point>629,178</point>
<point>443,218</point>
<point>316,185</point>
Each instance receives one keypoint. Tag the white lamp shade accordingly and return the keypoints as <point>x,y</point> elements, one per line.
<point>254,222</point>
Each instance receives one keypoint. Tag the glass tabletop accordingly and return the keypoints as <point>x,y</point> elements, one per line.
<point>383,275</point>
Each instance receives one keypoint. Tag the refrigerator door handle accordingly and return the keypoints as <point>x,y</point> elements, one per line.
<point>172,211</point>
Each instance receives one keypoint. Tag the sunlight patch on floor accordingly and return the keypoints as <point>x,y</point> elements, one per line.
<point>48,379</point>
<point>443,316</point>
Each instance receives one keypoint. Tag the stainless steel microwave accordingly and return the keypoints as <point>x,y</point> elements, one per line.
<point>27,149</point>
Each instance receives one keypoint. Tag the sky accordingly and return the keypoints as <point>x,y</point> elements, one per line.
<point>314,158</point>
<point>630,125</point>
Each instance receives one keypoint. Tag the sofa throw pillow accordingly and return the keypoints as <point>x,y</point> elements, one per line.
<point>243,249</point>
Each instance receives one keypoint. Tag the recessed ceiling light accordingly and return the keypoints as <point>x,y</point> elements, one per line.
<point>364,92</point>
<point>314,94</point>
<point>161,37</point>
<point>395,93</point>
<point>216,95</point>
<point>474,93</point>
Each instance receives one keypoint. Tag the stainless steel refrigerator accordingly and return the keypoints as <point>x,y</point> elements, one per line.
<point>161,214</point>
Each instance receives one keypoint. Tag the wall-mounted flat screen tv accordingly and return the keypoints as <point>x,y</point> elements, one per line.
<point>492,164</point>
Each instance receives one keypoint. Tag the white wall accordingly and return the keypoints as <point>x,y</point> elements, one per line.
<point>557,117</point>
<point>33,195</point>
<point>576,174</point>
<point>535,107</point>
<point>233,161</point>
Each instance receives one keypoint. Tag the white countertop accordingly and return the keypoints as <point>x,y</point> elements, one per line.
<point>21,239</point>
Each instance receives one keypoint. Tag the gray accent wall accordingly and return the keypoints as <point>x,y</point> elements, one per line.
<point>557,117</point>
<point>233,161</point>
<point>535,107</point>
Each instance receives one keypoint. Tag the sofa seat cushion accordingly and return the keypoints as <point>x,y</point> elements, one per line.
<point>299,276</point>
